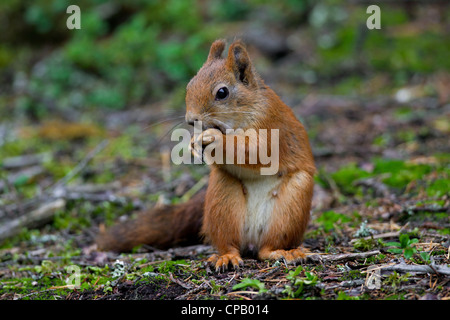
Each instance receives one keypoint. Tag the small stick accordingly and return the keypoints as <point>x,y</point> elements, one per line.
<point>32,219</point>
<point>80,166</point>
<point>25,160</point>
<point>179,282</point>
<point>393,234</point>
<point>341,257</point>
<point>403,267</point>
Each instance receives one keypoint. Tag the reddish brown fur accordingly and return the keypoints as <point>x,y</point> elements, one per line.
<point>250,105</point>
<point>162,227</point>
<point>291,217</point>
<point>226,199</point>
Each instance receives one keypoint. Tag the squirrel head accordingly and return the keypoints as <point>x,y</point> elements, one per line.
<point>224,94</point>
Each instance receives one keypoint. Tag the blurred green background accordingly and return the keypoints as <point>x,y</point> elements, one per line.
<point>131,53</point>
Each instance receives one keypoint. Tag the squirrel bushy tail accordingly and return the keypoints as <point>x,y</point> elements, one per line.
<point>161,227</point>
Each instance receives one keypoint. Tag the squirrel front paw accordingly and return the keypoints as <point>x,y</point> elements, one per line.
<point>198,142</point>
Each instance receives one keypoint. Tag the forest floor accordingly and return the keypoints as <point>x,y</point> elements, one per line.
<point>380,226</point>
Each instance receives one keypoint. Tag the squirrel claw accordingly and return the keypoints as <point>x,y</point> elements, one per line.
<point>287,256</point>
<point>221,262</point>
<point>198,142</point>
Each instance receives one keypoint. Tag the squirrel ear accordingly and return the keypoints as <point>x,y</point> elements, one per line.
<point>215,52</point>
<point>239,62</point>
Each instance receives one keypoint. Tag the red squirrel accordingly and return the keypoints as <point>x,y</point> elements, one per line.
<point>242,210</point>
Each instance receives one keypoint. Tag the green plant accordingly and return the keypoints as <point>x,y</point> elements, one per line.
<point>426,257</point>
<point>395,279</point>
<point>438,187</point>
<point>328,219</point>
<point>216,288</point>
<point>298,284</point>
<point>348,174</point>
<point>399,173</point>
<point>364,244</point>
<point>344,296</point>
<point>167,267</point>
<point>404,246</point>
<point>46,266</point>
<point>254,283</point>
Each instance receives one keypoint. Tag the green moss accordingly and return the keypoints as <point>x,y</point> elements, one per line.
<point>346,175</point>
<point>171,266</point>
<point>438,188</point>
<point>401,173</point>
<point>344,296</point>
<point>329,219</point>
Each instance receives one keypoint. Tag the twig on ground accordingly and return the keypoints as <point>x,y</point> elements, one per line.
<point>179,282</point>
<point>78,168</point>
<point>426,208</point>
<point>25,160</point>
<point>94,188</point>
<point>26,174</point>
<point>32,219</point>
<point>197,289</point>
<point>52,199</point>
<point>340,257</point>
<point>239,295</point>
<point>393,234</point>
<point>403,267</point>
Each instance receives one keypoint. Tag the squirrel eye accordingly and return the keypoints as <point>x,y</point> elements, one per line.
<point>222,93</point>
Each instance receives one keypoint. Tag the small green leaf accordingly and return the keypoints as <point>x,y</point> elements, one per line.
<point>425,256</point>
<point>395,250</point>
<point>404,240</point>
<point>255,283</point>
<point>21,180</point>
<point>293,274</point>
<point>409,252</point>
<point>394,244</point>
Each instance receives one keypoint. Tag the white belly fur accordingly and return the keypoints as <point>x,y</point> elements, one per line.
<point>260,204</point>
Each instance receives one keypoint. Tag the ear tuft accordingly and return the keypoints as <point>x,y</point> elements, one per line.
<point>217,47</point>
<point>242,62</point>
<point>238,61</point>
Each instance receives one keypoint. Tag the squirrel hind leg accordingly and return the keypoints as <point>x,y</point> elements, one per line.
<point>289,256</point>
<point>221,262</point>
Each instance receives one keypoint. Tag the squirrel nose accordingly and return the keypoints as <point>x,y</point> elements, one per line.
<point>191,118</point>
